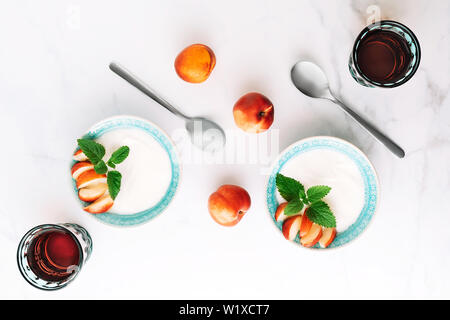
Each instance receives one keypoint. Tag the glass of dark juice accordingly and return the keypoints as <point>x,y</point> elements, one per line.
<point>50,256</point>
<point>386,54</point>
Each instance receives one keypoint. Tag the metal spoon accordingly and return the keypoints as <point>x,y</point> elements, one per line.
<point>310,79</point>
<point>204,133</point>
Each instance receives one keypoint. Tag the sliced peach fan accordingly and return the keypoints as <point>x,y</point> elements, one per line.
<point>92,192</point>
<point>291,227</point>
<point>101,205</point>
<point>79,156</point>
<point>80,167</point>
<point>327,237</point>
<point>310,233</point>
<point>279,214</point>
<point>312,237</point>
<point>90,177</point>
<point>306,225</point>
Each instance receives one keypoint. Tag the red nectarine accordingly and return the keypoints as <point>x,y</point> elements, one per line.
<point>229,204</point>
<point>253,113</point>
<point>195,63</point>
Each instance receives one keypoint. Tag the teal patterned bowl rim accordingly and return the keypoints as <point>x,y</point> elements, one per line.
<point>368,174</point>
<point>125,121</point>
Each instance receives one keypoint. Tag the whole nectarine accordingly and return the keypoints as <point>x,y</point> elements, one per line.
<point>253,113</point>
<point>195,63</point>
<point>229,204</point>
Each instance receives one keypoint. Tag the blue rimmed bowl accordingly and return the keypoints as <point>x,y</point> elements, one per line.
<point>124,122</point>
<point>366,169</point>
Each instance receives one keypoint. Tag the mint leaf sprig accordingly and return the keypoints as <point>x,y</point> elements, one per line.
<point>118,156</point>
<point>114,180</point>
<point>95,152</point>
<point>294,193</point>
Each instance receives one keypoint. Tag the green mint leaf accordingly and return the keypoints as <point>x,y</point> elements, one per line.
<point>114,180</point>
<point>93,150</point>
<point>316,193</point>
<point>288,188</point>
<point>111,164</point>
<point>293,207</point>
<point>119,155</point>
<point>319,212</point>
<point>302,195</point>
<point>101,167</point>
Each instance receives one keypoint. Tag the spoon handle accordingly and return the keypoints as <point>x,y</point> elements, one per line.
<point>391,145</point>
<point>144,88</point>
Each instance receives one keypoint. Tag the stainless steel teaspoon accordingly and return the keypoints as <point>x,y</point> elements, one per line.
<point>310,79</point>
<point>204,133</point>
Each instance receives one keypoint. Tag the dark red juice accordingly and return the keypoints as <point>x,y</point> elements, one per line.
<point>383,56</point>
<point>54,255</point>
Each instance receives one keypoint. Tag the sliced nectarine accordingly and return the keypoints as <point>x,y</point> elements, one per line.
<point>279,214</point>
<point>306,224</point>
<point>90,177</point>
<point>312,237</point>
<point>291,227</point>
<point>101,205</point>
<point>327,237</point>
<point>92,192</point>
<point>195,63</point>
<point>79,156</point>
<point>80,167</point>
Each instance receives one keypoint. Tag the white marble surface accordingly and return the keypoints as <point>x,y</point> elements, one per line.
<point>54,84</point>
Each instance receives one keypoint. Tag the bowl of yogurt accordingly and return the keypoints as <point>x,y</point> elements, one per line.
<point>150,174</point>
<point>335,163</point>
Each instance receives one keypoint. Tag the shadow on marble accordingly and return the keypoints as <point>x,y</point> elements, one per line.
<point>331,123</point>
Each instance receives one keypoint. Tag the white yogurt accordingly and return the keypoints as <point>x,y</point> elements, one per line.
<point>333,169</point>
<point>146,173</point>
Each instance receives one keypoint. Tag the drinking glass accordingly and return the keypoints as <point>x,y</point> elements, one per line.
<point>386,54</point>
<point>50,256</point>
